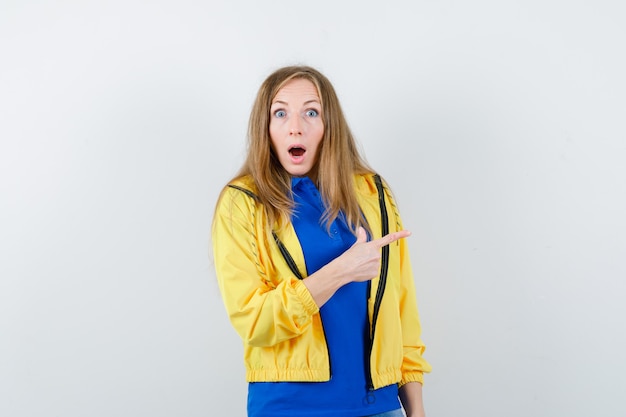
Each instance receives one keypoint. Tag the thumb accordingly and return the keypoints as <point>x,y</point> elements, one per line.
<point>361,235</point>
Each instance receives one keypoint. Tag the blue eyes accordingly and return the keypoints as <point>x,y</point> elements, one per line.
<point>282,113</point>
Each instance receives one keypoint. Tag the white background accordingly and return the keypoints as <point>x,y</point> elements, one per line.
<point>499,124</point>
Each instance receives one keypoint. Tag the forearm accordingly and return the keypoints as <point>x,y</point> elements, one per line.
<point>411,398</point>
<point>324,283</point>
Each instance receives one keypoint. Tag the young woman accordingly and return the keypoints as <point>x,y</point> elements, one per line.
<point>313,266</point>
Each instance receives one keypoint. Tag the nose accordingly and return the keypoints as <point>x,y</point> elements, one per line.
<point>294,127</point>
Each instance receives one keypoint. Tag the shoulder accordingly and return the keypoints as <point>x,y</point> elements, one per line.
<point>371,187</point>
<point>243,185</point>
<point>240,192</point>
<point>364,183</point>
<point>369,183</point>
<point>246,182</point>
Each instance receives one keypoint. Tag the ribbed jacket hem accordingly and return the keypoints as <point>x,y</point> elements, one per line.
<point>287,375</point>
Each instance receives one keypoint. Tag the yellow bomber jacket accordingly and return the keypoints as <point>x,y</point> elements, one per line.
<point>274,313</point>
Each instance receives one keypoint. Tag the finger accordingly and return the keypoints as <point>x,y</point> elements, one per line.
<point>390,238</point>
<point>361,235</point>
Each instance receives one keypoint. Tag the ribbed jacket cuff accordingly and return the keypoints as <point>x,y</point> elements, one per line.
<point>307,300</point>
<point>412,377</point>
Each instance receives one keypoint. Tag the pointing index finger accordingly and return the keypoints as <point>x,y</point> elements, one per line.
<point>390,238</point>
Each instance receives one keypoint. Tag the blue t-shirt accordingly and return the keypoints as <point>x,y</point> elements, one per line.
<point>345,322</point>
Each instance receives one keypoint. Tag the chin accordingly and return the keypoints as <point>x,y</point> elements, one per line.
<point>299,173</point>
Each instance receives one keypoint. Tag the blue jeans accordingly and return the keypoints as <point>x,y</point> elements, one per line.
<point>393,413</point>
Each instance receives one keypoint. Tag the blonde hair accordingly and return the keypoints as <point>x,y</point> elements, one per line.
<point>338,161</point>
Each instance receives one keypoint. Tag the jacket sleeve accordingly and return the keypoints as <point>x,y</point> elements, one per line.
<point>413,364</point>
<point>264,310</point>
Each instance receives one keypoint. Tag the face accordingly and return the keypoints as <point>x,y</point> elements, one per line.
<point>296,126</point>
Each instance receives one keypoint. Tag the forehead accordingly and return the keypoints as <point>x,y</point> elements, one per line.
<point>299,88</point>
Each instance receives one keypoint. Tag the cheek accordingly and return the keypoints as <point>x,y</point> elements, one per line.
<point>274,125</point>
<point>319,135</point>
<point>273,136</point>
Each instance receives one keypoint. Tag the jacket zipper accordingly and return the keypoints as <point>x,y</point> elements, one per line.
<point>290,262</point>
<point>382,283</point>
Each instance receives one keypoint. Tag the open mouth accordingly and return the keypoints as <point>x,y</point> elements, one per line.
<point>297,151</point>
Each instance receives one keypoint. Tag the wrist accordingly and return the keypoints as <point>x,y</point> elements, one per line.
<point>335,276</point>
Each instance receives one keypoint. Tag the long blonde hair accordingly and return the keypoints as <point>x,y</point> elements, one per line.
<point>339,158</point>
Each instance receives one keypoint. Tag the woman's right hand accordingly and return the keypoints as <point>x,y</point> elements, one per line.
<point>362,261</point>
<point>359,263</point>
